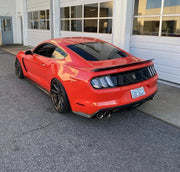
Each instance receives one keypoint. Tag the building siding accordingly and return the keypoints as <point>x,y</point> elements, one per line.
<point>64,3</point>
<point>36,5</point>
<point>37,36</point>
<point>165,51</point>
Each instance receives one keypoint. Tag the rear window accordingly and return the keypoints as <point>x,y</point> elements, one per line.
<point>97,51</point>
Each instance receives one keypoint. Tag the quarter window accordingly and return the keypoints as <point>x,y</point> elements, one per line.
<point>58,54</point>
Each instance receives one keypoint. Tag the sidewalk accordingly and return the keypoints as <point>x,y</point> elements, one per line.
<point>14,49</point>
<point>165,106</point>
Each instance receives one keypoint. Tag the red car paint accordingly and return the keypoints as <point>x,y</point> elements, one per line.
<point>75,74</point>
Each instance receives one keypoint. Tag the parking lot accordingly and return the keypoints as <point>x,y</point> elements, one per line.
<point>34,137</point>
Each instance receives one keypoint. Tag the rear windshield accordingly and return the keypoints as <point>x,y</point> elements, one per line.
<point>97,51</point>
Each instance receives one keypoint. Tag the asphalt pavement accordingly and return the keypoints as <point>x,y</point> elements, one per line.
<point>34,137</point>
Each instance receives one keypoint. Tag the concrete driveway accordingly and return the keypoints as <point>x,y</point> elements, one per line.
<point>34,137</point>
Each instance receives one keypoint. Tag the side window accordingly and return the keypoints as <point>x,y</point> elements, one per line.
<point>58,54</point>
<point>45,50</point>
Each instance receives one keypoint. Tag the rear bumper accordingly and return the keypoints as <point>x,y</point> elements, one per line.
<point>92,101</point>
<point>116,108</point>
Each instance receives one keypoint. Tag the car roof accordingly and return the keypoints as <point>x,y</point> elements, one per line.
<point>74,40</point>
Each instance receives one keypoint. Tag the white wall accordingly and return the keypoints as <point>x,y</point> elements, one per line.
<point>165,51</point>
<point>122,22</point>
<point>37,36</point>
<point>18,30</point>
<point>7,8</point>
<point>33,5</point>
<point>64,3</point>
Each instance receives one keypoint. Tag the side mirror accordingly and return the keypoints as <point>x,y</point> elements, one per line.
<point>28,52</point>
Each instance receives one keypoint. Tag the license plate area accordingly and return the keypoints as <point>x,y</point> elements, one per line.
<point>138,92</point>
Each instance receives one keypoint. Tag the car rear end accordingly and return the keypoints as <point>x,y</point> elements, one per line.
<point>110,84</point>
<point>114,89</point>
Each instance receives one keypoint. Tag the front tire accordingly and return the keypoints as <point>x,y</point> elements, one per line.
<point>18,69</point>
<point>59,97</point>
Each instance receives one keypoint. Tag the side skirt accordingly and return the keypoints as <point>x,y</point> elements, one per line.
<point>37,85</point>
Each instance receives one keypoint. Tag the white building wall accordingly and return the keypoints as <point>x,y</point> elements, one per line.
<point>122,22</point>
<point>36,5</point>
<point>37,36</point>
<point>165,51</point>
<point>18,32</point>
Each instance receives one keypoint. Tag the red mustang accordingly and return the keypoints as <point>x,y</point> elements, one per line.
<point>87,75</point>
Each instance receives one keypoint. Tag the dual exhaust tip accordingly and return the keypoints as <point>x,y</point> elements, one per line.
<point>107,114</point>
<point>101,115</point>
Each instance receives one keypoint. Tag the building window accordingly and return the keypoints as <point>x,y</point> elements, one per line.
<point>171,26</point>
<point>76,11</point>
<point>95,18</point>
<point>157,18</point>
<point>76,25</point>
<point>91,10</point>
<point>65,25</point>
<point>38,20</point>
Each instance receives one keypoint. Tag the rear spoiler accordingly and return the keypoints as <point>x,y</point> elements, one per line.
<point>124,65</point>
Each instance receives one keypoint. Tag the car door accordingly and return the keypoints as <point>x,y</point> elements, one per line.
<point>43,63</point>
<point>38,64</point>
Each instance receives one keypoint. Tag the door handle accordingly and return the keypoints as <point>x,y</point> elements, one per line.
<point>42,64</point>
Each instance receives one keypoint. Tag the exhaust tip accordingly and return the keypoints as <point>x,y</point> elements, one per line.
<point>107,114</point>
<point>101,115</point>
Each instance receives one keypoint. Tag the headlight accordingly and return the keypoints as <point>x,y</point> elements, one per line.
<point>102,82</point>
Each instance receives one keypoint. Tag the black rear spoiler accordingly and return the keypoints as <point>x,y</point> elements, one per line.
<point>124,65</point>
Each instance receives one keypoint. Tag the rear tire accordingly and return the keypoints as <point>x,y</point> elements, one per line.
<point>18,69</point>
<point>59,97</point>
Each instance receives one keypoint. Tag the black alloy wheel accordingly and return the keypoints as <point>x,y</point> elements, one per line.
<point>18,69</point>
<point>59,97</point>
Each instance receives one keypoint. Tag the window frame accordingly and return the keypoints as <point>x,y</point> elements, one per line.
<point>48,43</point>
<point>160,16</point>
<point>46,20</point>
<point>83,18</point>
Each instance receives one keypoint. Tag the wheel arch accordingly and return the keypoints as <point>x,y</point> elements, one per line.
<point>20,57</point>
<point>60,80</point>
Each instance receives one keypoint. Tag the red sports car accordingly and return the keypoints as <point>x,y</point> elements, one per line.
<point>88,76</point>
